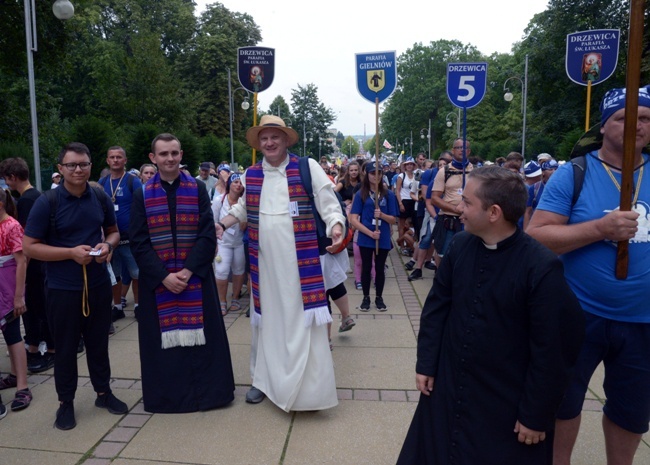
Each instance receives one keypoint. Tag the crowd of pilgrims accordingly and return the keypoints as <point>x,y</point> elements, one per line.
<point>357,181</point>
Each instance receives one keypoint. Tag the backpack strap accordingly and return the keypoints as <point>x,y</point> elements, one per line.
<point>52,196</point>
<point>579,169</point>
<point>53,199</point>
<point>305,177</point>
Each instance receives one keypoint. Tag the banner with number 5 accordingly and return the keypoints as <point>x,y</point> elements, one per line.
<point>466,83</point>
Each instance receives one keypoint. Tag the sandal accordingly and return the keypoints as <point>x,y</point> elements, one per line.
<point>346,325</point>
<point>235,306</point>
<point>8,381</point>
<point>22,400</point>
<point>224,309</point>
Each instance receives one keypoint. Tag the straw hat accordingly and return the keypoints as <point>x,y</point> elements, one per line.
<point>274,122</point>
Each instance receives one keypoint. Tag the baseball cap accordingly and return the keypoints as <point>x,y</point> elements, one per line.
<point>371,167</point>
<point>532,169</point>
<point>550,165</point>
<point>205,165</point>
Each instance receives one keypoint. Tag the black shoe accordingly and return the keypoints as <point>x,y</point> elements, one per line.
<point>111,403</point>
<point>379,303</point>
<point>416,274</point>
<point>111,329</point>
<point>430,266</point>
<point>49,360</point>
<point>3,409</point>
<point>37,363</point>
<point>409,266</point>
<point>81,346</point>
<point>117,313</point>
<point>365,304</point>
<point>65,416</point>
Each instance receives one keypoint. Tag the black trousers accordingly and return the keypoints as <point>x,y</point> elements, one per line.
<point>68,324</point>
<point>35,319</point>
<point>366,268</point>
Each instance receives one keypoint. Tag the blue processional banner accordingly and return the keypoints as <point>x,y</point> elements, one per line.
<point>255,67</point>
<point>592,56</point>
<point>376,75</point>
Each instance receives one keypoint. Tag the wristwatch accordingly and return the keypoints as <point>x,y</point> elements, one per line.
<point>222,225</point>
<point>110,247</point>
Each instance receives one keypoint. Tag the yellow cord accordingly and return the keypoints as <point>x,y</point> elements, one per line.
<point>638,182</point>
<point>85,304</point>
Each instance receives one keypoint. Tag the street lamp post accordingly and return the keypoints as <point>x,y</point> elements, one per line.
<point>304,139</point>
<point>426,131</point>
<point>245,106</point>
<point>63,10</point>
<point>508,98</point>
<point>409,141</point>
<point>322,141</point>
<point>450,123</point>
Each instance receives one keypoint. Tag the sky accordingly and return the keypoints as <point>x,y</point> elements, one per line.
<point>315,43</point>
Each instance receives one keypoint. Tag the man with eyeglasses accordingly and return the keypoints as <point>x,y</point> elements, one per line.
<point>446,195</point>
<point>73,230</point>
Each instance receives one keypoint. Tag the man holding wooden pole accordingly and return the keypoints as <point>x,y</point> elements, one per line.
<point>585,233</point>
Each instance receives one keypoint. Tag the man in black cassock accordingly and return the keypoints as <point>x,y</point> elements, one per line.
<point>185,360</point>
<point>499,335</point>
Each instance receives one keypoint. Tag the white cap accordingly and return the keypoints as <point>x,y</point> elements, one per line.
<point>543,156</point>
<point>55,174</point>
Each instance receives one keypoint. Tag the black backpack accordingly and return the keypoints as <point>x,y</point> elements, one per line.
<point>323,240</point>
<point>53,199</point>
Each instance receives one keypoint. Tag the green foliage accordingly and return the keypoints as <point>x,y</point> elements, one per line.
<point>279,107</point>
<point>566,145</point>
<point>121,71</point>
<point>215,149</point>
<point>350,147</point>
<point>192,153</point>
<point>310,117</point>
<point>140,146</point>
<point>98,136</point>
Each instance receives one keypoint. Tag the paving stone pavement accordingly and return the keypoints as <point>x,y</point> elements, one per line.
<point>374,366</point>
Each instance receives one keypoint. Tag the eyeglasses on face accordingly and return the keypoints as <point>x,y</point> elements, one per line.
<point>73,166</point>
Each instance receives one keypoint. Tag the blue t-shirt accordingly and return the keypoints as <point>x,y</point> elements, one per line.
<point>123,198</point>
<point>366,212</point>
<point>79,221</point>
<point>535,194</point>
<point>590,270</point>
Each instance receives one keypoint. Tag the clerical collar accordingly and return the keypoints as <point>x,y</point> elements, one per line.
<point>490,247</point>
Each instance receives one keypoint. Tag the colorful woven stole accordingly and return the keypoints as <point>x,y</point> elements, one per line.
<point>304,228</point>
<point>180,315</point>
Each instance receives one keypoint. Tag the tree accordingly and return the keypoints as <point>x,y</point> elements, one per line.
<point>350,147</point>
<point>205,66</point>
<point>310,116</point>
<point>421,89</point>
<point>558,105</point>
<point>280,107</point>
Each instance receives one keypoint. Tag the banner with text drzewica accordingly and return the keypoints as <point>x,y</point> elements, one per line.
<point>376,75</point>
<point>466,83</point>
<point>255,67</point>
<point>592,56</point>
